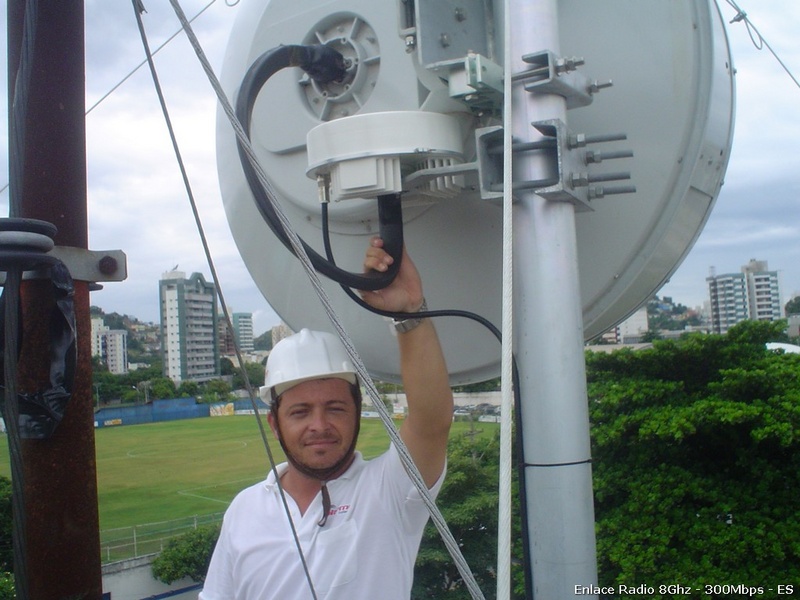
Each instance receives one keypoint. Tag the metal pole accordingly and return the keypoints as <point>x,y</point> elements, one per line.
<point>63,543</point>
<point>548,335</point>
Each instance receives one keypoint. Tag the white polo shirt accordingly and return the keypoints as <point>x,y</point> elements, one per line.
<point>365,551</point>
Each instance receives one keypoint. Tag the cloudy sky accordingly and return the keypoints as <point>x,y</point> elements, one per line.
<point>137,201</point>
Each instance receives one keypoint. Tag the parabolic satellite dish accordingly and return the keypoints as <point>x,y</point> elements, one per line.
<point>413,68</point>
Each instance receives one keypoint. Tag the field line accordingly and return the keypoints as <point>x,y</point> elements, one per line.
<point>188,491</point>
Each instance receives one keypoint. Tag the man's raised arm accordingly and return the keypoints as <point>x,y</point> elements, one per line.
<point>422,366</point>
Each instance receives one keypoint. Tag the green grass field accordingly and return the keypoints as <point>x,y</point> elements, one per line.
<point>164,471</point>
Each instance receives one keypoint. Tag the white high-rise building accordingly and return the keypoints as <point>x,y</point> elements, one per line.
<point>762,291</point>
<point>634,328</point>
<point>752,294</point>
<point>98,328</point>
<point>111,346</point>
<point>243,330</point>
<point>114,344</point>
<point>188,327</point>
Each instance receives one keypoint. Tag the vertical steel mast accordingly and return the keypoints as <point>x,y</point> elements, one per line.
<point>548,336</point>
<point>48,182</point>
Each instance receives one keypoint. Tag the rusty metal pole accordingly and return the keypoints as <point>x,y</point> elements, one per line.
<point>60,492</point>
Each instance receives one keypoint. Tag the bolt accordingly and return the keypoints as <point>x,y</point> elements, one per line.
<point>565,65</point>
<point>593,157</point>
<point>577,140</point>
<point>596,86</point>
<point>108,265</point>
<point>579,180</point>
<point>460,14</point>
<point>444,40</point>
<point>596,191</point>
<point>411,43</point>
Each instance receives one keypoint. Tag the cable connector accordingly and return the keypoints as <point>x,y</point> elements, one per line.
<point>322,63</point>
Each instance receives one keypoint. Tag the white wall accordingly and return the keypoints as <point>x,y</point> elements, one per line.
<point>133,580</point>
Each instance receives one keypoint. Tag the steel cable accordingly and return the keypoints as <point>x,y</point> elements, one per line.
<point>436,516</point>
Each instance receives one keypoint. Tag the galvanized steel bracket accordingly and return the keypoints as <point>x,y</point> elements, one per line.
<point>93,266</point>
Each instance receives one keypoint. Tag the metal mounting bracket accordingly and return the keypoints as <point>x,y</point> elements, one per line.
<point>574,183</point>
<point>449,30</point>
<point>568,163</point>
<point>86,265</point>
<point>476,81</point>
<point>550,74</point>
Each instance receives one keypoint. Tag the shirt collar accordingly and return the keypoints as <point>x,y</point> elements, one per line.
<point>354,468</point>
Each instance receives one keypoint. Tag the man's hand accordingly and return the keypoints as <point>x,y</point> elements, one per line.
<point>404,294</point>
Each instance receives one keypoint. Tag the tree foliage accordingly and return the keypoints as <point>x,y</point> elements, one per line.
<point>255,375</point>
<point>187,555</point>
<point>7,586</point>
<point>263,341</point>
<point>490,385</point>
<point>123,387</point>
<point>468,501</point>
<point>216,390</point>
<point>793,306</point>
<point>226,366</point>
<point>696,447</point>
<point>162,388</point>
<point>6,544</point>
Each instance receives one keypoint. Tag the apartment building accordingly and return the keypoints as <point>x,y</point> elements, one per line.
<point>111,346</point>
<point>243,330</point>
<point>752,294</point>
<point>189,345</point>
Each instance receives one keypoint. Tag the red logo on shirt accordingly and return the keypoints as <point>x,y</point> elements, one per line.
<point>339,510</point>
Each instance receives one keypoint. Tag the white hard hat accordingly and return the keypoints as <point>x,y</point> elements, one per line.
<point>304,356</point>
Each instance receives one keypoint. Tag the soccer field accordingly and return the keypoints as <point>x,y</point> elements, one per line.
<point>176,469</point>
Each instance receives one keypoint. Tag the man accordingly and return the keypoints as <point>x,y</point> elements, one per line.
<point>359,523</point>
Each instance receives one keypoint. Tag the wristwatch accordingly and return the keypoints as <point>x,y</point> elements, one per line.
<point>406,325</point>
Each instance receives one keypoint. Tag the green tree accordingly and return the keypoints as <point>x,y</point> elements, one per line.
<point>468,501</point>
<point>263,341</point>
<point>113,387</point>
<point>187,555</point>
<point>793,306</point>
<point>696,451</point>
<point>116,321</point>
<point>7,587</point>
<point>226,366</point>
<point>188,389</point>
<point>651,335</point>
<point>490,385</point>
<point>162,387</point>
<point>6,546</point>
<point>255,374</point>
<point>216,390</point>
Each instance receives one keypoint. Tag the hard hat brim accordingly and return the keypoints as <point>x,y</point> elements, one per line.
<point>282,387</point>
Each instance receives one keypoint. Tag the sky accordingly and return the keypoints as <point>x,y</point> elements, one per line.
<point>137,201</point>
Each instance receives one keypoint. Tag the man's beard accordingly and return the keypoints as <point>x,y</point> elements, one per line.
<point>322,473</point>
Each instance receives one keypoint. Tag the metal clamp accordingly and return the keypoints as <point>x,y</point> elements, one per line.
<point>84,265</point>
<point>573,181</point>
<point>550,74</point>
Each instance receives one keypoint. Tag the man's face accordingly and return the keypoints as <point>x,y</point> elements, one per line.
<point>317,421</point>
